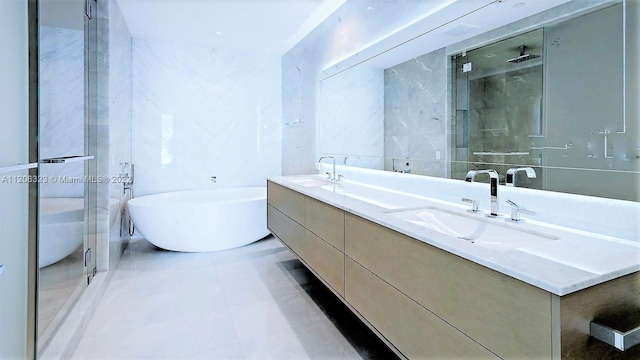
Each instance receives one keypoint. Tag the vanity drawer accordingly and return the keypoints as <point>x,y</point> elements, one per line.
<point>507,316</point>
<point>284,228</point>
<point>325,260</point>
<point>413,330</point>
<point>289,202</point>
<point>325,221</point>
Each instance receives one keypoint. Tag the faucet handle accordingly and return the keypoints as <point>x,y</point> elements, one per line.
<point>474,204</point>
<point>516,210</point>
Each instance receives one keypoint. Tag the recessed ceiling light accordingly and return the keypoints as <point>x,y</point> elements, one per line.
<point>219,33</point>
<point>370,8</point>
<point>517,5</point>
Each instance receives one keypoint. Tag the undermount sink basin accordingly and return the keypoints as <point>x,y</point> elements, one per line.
<point>310,182</point>
<point>473,228</point>
<point>388,200</point>
<point>362,196</point>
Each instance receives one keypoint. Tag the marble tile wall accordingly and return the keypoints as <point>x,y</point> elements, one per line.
<point>415,121</point>
<point>61,108</point>
<point>351,117</point>
<point>120,99</point>
<point>200,112</point>
<point>112,128</point>
<point>120,131</point>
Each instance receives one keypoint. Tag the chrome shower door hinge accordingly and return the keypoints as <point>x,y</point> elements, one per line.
<point>89,6</point>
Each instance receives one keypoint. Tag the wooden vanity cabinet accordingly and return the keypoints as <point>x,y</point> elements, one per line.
<point>414,330</point>
<point>425,302</point>
<point>313,230</point>
<point>505,315</point>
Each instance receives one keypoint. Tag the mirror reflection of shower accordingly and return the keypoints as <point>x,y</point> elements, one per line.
<point>498,111</point>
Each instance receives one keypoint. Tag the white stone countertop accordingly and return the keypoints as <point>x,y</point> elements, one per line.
<point>565,260</point>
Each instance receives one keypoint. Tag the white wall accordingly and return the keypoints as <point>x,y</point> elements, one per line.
<point>13,197</point>
<point>200,112</point>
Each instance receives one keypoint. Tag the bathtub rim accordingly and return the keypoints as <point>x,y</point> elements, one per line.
<point>152,199</point>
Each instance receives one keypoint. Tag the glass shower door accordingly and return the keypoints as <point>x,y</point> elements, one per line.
<point>67,202</point>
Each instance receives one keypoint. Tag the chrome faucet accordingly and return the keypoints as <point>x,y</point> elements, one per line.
<point>329,175</point>
<point>516,210</point>
<point>512,172</point>
<point>493,186</point>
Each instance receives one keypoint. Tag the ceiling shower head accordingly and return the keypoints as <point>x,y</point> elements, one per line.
<point>523,56</point>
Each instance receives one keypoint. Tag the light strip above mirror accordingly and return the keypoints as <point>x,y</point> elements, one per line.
<point>450,23</point>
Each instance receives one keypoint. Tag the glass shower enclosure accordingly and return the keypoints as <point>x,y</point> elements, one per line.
<point>67,37</point>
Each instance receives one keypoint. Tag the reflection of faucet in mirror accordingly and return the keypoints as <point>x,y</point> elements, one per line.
<point>493,186</point>
<point>348,156</point>
<point>406,168</point>
<point>512,172</point>
<point>329,175</point>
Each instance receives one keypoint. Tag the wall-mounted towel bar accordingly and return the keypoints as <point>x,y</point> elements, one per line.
<point>18,167</point>
<point>294,121</point>
<point>66,159</point>
<point>512,153</point>
<point>565,147</point>
<point>620,339</point>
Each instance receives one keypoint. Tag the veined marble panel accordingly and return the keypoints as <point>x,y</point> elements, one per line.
<point>200,112</point>
<point>351,117</point>
<point>120,97</point>
<point>117,110</point>
<point>415,106</point>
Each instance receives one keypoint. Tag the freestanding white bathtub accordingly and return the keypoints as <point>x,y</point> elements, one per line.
<point>202,220</point>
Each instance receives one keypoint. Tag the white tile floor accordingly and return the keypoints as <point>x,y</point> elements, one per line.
<point>254,302</point>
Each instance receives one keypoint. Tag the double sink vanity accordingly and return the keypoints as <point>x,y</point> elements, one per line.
<point>434,279</point>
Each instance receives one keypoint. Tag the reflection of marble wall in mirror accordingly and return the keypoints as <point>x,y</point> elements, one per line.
<point>351,110</point>
<point>351,28</point>
<point>61,100</point>
<point>415,103</point>
<point>570,178</point>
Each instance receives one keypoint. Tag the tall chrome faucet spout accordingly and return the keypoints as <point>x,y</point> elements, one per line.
<point>493,186</point>
<point>331,176</point>
<point>512,172</point>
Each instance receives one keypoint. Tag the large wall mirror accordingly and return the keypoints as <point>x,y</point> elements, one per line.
<point>550,94</point>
